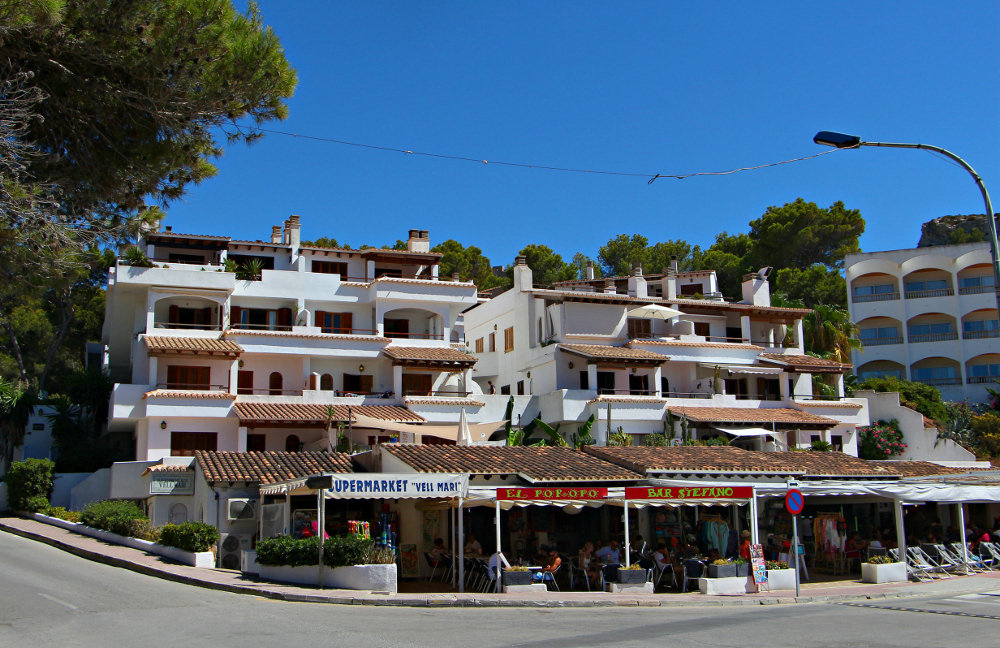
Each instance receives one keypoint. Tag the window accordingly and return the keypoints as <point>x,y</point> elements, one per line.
<point>837,441</point>
<point>605,382</point>
<point>520,388</point>
<point>342,323</point>
<point>935,284</point>
<point>975,282</point>
<point>639,328</point>
<point>505,390</point>
<point>703,329</point>
<point>180,377</point>
<point>185,444</point>
<point>479,345</point>
<point>261,319</point>
<point>330,267</point>
<point>638,385</point>
<point>889,373</point>
<point>415,384</point>
<point>493,342</point>
<point>326,382</point>
<point>984,371</point>
<point>584,380</point>
<point>356,384</point>
<point>197,259</point>
<point>930,329</point>
<point>692,289</point>
<point>976,326</point>
<point>880,332</point>
<point>274,384</point>
<point>255,443</point>
<point>881,289</point>
<point>292,443</point>
<point>768,389</point>
<point>244,382</point>
<point>397,328</point>
<point>664,386</point>
<point>508,339</point>
<point>734,333</point>
<point>388,272</point>
<point>178,514</point>
<point>736,387</point>
<point>189,318</point>
<point>934,373</point>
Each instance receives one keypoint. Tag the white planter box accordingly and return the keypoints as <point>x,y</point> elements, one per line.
<point>381,578</point>
<point>248,562</point>
<point>725,586</point>
<point>204,559</point>
<point>780,579</point>
<point>891,573</point>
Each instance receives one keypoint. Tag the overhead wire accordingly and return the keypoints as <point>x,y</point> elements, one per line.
<point>651,176</point>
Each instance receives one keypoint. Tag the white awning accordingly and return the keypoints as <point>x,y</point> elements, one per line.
<point>744,431</point>
<point>479,431</point>
<point>755,371</point>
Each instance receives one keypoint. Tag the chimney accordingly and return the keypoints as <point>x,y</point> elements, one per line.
<point>168,229</point>
<point>456,277</point>
<point>756,290</point>
<point>668,284</point>
<point>418,241</point>
<point>637,283</point>
<point>609,286</point>
<point>673,263</point>
<point>284,236</point>
<point>276,234</point>
<point>590,270</point>
<point>294,232</point>
<point>522,274</point>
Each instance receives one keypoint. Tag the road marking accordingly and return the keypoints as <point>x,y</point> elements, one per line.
<point>903,609</point>
<point>55,600</point>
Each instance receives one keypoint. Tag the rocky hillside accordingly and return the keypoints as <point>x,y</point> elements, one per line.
<point>949,230</point>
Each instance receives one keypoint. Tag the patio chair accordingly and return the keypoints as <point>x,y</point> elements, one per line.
<point>991,549</point>
<point>660,572</point>
<point>576,573</point>
<point>951,561</point>
<point>928,564</point>
<point>914,568</point>
<point>649,565</point>
<point>449,567</point>
<point>433,564</point>
<point>609,574</point>
<point>693,570</point>
<point>876,551</point>
<point>975,562</point>
<point>550,577</point>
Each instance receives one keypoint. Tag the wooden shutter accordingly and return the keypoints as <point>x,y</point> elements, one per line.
<point>204,377</point>
<point>346,323</point>
<point>702,328</point>
<point>321,321</point>
<point>206,317</point>
<point>365,383</point>
<point>173,376</point>
<point>284,317</point>
<point>244,382</point>
<point>235,313</point>
<point>256,443</point>
<point>175,315</point>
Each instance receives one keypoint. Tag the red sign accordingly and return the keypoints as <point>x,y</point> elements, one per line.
<point>688,492</point>
<point>794,502</point>
<point>561,493</point>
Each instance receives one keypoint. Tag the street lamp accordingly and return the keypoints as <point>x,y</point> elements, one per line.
<point>840,140</point>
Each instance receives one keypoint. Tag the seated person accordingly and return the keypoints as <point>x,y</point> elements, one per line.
<point>553,563</point>
<point>662,556</point>
<point>610,553</point>
<point>639,547</point>
<point>493,562</point>
<point>713,555</point>
<point>588,563</point>
<point>438,552</point>
<point>472,546</point>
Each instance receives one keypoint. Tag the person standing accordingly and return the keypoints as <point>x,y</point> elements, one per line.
<point>491,388</point>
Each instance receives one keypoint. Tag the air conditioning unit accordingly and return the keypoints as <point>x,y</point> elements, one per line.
<point>231,547</point>
<point>241,509</point>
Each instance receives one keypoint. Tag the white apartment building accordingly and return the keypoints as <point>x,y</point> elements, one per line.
<point>730,369</point>
<point>205,359</point>
<point>927,314</point>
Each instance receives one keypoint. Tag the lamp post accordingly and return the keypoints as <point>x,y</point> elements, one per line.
<point>840,140</point>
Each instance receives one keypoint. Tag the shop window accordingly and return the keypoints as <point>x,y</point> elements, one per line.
<point>326,382</point>
<point>292,443</point>
<point>256,443</point>
<point>183,377</point>
<point>178,514</point>
<point>274,384</point>
<point>508,339</point>
<point>244,382</point>
<point>330,267</point>
<point>185,444</point>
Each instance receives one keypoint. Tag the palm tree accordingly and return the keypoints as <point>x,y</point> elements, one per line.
<point>16,406</point>
<point>830,333</point>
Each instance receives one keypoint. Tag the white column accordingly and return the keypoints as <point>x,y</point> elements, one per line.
<point>306,372</point>
<point>460,548</point>
<point>592,376</point>
<point>370,270</point>
<point>783,385</point>
<point>745,327</point>
<point>961,533</point>
<point>900,530</point>
<point>153,369</point>
<point>628,545</point>
<point>397,381</point>
<point>234,375</point>
<point>466,379</point>
<point>497,571</point>
<point>840,385</point>
<point>241,439</point>
<point>800,339</point>
<point>657,381</point>
<point>754,532</point>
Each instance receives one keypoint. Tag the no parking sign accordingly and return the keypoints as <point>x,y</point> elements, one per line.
<point>794,501</point>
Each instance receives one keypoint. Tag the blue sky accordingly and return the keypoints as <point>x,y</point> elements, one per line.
<point>634,87</point>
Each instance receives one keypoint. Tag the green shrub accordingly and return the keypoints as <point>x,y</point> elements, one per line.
<point>62,514</point>
<point>379,556</point>
<point>881,560</point>
<point>349,550</point>
<point>28,480</point>
<point>918,396</point>
<point>189,536</point>
<point>117,516</point>
<point>288,551</point>
<point>776,564</point>
<point>144,530</point>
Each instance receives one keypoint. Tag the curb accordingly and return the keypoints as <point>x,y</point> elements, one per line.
<point>435,603</point>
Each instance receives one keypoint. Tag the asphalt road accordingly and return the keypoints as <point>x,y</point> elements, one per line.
<point>52,598</point>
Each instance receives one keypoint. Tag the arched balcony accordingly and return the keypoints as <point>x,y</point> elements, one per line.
<point>983,369</point>
<point>976,279</point>
<point>931,327</point>
<point>413,323</point>
<point>930,282</point>
<point>190,313</point>
<point>881,369</point>
<point>981,324</point>
<point>936,371</point>
<point>879,331</point>
<point>874,286</point>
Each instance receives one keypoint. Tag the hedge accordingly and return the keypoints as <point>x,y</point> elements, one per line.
<point>189,536</point>
<point>117,516</point>
<point>29,484</point>
<point>293,552</point>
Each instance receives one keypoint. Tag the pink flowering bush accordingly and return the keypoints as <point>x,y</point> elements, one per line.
<point>881,440</point>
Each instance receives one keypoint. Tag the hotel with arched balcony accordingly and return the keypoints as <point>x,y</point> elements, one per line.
<point>927,314</point>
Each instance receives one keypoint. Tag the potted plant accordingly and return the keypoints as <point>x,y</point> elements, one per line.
<point>742,567</point>
<point>516,575</point>
<point>631,575</point>
<point>779,575</point>
<point>722,568</point>
<point>883,569</point>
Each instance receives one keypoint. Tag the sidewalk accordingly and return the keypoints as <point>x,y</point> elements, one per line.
<point>230,581</point>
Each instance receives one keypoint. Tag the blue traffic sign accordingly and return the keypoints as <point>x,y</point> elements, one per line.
<point>794,502</point>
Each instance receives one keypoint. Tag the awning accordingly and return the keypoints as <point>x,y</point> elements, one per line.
<point>479,431</point>
<point>744,431</point>
<point>903,490</point>
<point>755,371</point>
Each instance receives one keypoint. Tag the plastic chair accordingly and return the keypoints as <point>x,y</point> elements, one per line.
<point>576,572</point>
<point>992,549</point>
<point>433,564</point>
<point>649,566</point>
<point>926,563</point>
<point>693,570</point>
<point>550,577</point>
<point>609,573</point>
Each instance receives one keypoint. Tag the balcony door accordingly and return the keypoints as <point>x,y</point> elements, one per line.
<point>638,385</point>
<point>183,377</point>
<point>416,384</point>
<point>397,328</point>
<point>355,384</point>
<point>605,382</point>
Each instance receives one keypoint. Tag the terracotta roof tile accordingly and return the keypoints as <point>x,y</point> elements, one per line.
<point>597,352</point>
<point>316,413</point>
<point>178,235</point>
<point>707,345</point>
<point>168,468</point>
<point>269,467</point>
<point>457,402</point>
<point>751,415</point>
<point>923,468</point>
<point>806,363</point>
<point>408,355</point>
<point>537,464</point>
<point>825,403</point>
<point>653,400</point>
<point>283,246</point>
<point>834,464</point>
<point>171,345</point>
<point>690,458</point>
<point>189,393</point>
